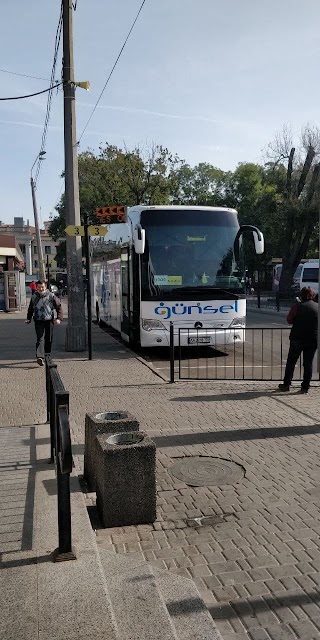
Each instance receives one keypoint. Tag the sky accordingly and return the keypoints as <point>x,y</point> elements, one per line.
<point>211,80</point>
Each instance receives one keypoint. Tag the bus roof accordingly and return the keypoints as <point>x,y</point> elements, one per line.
<point>179,207</point>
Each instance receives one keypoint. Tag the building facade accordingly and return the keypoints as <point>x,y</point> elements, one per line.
<point>25,236</point>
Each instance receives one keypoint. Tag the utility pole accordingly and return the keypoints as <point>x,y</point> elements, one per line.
<point>88,279</point>
<point>76,329</point>
<point>318,297</point>
<point>36,223</point>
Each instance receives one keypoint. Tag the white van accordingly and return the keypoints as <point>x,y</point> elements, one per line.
<point>277,269</point>
<point>310,275</point>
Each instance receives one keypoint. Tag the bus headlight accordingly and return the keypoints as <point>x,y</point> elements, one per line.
<point>238,322</point>
<point>149,325</point>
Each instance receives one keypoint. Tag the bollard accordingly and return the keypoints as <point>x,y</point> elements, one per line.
<point>97,423</point>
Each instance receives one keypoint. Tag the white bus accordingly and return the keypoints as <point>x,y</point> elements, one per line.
<point>310,275</point>
<point>176,264</point>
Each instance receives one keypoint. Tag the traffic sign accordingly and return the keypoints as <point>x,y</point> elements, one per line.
<point>97,230</point>
<point>74,230</point>
<point>112,215</point>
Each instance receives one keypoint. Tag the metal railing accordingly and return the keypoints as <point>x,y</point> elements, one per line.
<point>61,455</point>
<point>271,299</point>
<point>256,353</point>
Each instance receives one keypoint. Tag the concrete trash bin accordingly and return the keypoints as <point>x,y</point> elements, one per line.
<point>104,422</point>
<point>126,479</point>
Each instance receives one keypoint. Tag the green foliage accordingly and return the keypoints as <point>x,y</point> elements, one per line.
<point>280,197</point>
<point>60,258</point>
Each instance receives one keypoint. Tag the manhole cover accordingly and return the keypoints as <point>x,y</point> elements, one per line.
<point>205,471</point>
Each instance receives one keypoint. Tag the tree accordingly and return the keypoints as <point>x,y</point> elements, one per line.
<point>119,176</point>
<point>297,171</point>
<point>250,190</point>
<point>61,255</point>
<point>200,185</point>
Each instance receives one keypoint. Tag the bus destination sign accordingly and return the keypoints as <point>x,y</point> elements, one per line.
<point>112,215</point>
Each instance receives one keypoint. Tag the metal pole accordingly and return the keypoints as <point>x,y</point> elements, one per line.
<point>171,353</point>
<point>48,271</point>
<point>76,329</point>
<point>89,309</point>
<point>36,224</point>
<point>64,511</point>
<point>318,303</point>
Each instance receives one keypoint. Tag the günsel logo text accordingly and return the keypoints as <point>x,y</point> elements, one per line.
<point>181,309</point>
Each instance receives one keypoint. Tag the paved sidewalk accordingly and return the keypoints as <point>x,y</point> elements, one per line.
<point>256,561</point>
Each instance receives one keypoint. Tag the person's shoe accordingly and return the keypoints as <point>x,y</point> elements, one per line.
<point>303,390</point>
<point>283,387</point>
<point>40,362</point>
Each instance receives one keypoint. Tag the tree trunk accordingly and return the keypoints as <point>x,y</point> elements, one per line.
<point>288,268</point>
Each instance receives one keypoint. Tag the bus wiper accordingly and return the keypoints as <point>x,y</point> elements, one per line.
<point>227,292</point>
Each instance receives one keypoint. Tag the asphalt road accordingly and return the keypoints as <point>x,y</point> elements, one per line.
<point>263,319</point>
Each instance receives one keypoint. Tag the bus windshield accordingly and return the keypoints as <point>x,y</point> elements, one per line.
<point>191,251</point>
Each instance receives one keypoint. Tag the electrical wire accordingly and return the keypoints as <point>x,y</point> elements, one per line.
<point>58,198</point>
<point>23,75</point>
<point>29,95</point>
<point>50,94</point>
<point>113,68</point>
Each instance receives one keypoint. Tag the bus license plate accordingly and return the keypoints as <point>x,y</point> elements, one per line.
<point>199,340</point>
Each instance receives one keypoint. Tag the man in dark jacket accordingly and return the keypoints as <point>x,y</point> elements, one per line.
<point>41,309</point>
<point>303,338</point>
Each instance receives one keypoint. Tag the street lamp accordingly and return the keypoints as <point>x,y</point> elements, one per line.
<point>36,220</point>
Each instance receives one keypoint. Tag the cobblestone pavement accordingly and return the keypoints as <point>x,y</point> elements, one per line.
<point>255,560</point>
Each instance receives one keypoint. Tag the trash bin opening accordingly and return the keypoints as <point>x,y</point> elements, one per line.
<point>112,415</point>
<point>125,438</point>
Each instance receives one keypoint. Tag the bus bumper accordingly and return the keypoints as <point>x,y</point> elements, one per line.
<point>193,338</point>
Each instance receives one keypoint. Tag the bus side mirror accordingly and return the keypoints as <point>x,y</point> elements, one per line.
<point>257,237</point>
<point>139,239</point>
<point>258,241</point>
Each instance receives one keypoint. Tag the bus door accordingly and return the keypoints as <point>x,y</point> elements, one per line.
<point>125,294</point>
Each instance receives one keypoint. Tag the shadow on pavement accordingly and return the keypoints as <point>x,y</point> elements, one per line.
<point>27,528</point>
<point>233,435</point>
<point>236,609</point>
<point>10,564</point>
<point>51,487</point>
<point>18,477</point>
<point>243,395</point>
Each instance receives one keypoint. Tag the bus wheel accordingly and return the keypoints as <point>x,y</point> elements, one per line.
<point>97,312</point>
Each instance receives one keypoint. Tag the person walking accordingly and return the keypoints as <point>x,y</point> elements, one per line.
<point>41,308</point>
<point>303,316</point>
<point>33,287</point>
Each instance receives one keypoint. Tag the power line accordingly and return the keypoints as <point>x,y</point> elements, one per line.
<point>23,75</point>
<point>58,198</point>
<point>53,72</point>
<point>113,68</point>
<point>30,95</point>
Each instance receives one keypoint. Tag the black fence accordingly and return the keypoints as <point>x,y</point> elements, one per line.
<point>257,353</point>
<point>61,455</point>
<point>272,299</point>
